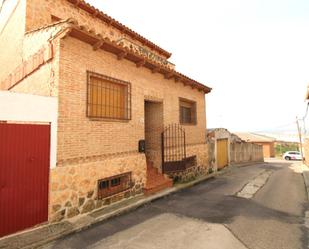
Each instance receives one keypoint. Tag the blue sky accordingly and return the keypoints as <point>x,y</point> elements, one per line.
<point>253,53</point>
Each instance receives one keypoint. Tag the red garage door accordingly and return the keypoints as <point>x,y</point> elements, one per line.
<point>24,176</point>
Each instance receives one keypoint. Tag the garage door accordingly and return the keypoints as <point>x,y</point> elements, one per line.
<point>222,153</point>
<point>24,176</point>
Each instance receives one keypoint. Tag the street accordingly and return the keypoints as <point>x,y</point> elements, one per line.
<point>260,206</point>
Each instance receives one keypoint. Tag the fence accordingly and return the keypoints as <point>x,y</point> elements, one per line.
<point>242,152</point>
<point>239,152</point>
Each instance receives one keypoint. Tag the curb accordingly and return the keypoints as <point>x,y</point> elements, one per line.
<point>127,208</point>
<point>306,180</point>
<point>248,164</point>
<point>84,222</point>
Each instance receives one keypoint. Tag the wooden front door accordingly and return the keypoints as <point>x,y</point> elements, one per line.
<point>24,176</point>
<point>222,153</point>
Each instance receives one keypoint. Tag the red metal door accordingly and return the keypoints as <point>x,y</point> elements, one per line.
<point>24,176</point>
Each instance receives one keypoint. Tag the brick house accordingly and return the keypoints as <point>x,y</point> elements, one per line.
<point>226,148</point>
<point>115,89</point>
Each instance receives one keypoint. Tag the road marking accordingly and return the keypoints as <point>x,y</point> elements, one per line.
<point>167,230</point>
<point>250,189</point>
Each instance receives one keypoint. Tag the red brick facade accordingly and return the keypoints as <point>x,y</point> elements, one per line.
<point>91,149</point>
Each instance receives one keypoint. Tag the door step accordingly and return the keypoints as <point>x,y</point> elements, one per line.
<point>155,181</point>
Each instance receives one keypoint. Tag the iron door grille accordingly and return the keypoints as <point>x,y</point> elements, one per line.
<point>174,155</point>
<point>173,143</point>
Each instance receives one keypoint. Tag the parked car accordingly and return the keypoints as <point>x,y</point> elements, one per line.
<point>292,155</point>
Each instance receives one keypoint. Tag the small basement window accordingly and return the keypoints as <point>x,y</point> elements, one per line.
<point>115,182</point>
<point>114,185</point>
<point>187,111</point>
<point>103,184</point>
<point>108,98</point>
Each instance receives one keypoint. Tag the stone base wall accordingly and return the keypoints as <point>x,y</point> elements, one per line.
<point>73,188</point>
<point>189,174</point>
<point>202,167</point>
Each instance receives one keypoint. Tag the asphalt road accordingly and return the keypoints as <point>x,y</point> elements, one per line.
<point>210,215</point>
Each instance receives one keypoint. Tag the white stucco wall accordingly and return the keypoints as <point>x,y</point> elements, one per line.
<point>31,108</point>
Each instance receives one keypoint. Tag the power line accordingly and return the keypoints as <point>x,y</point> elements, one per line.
<point>277,127</point>
<point>291,124</point>
<point>1,6</point>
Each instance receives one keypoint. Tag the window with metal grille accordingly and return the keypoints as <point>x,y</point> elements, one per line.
<point>114,185</point>
<point>187,111</point>
<point>115,182</point>
<point>108,98</point>
<point>103,184</point>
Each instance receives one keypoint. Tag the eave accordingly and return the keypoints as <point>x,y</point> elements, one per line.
<point>98,42</point>
<point>114,23</point>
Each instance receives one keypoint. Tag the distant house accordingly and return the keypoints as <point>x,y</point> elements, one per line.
<point>226,148</point>
<point>222,146</point>
<point>268,143</point>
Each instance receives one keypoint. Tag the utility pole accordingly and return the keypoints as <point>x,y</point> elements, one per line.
<point>1,5</point>
<point>300,140</point>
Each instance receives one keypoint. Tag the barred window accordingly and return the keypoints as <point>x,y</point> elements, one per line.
<point>114,185</point>
<point>187,111</point>
<point>108,98</point>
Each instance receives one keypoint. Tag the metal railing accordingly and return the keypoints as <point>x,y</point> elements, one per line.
<point>174,156</point>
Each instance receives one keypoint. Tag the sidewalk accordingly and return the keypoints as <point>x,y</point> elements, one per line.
<point>42,235</point>
<point>301,168</point>
<point>305,171</point>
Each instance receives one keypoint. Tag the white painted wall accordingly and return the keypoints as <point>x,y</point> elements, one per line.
<point>31,108</point>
